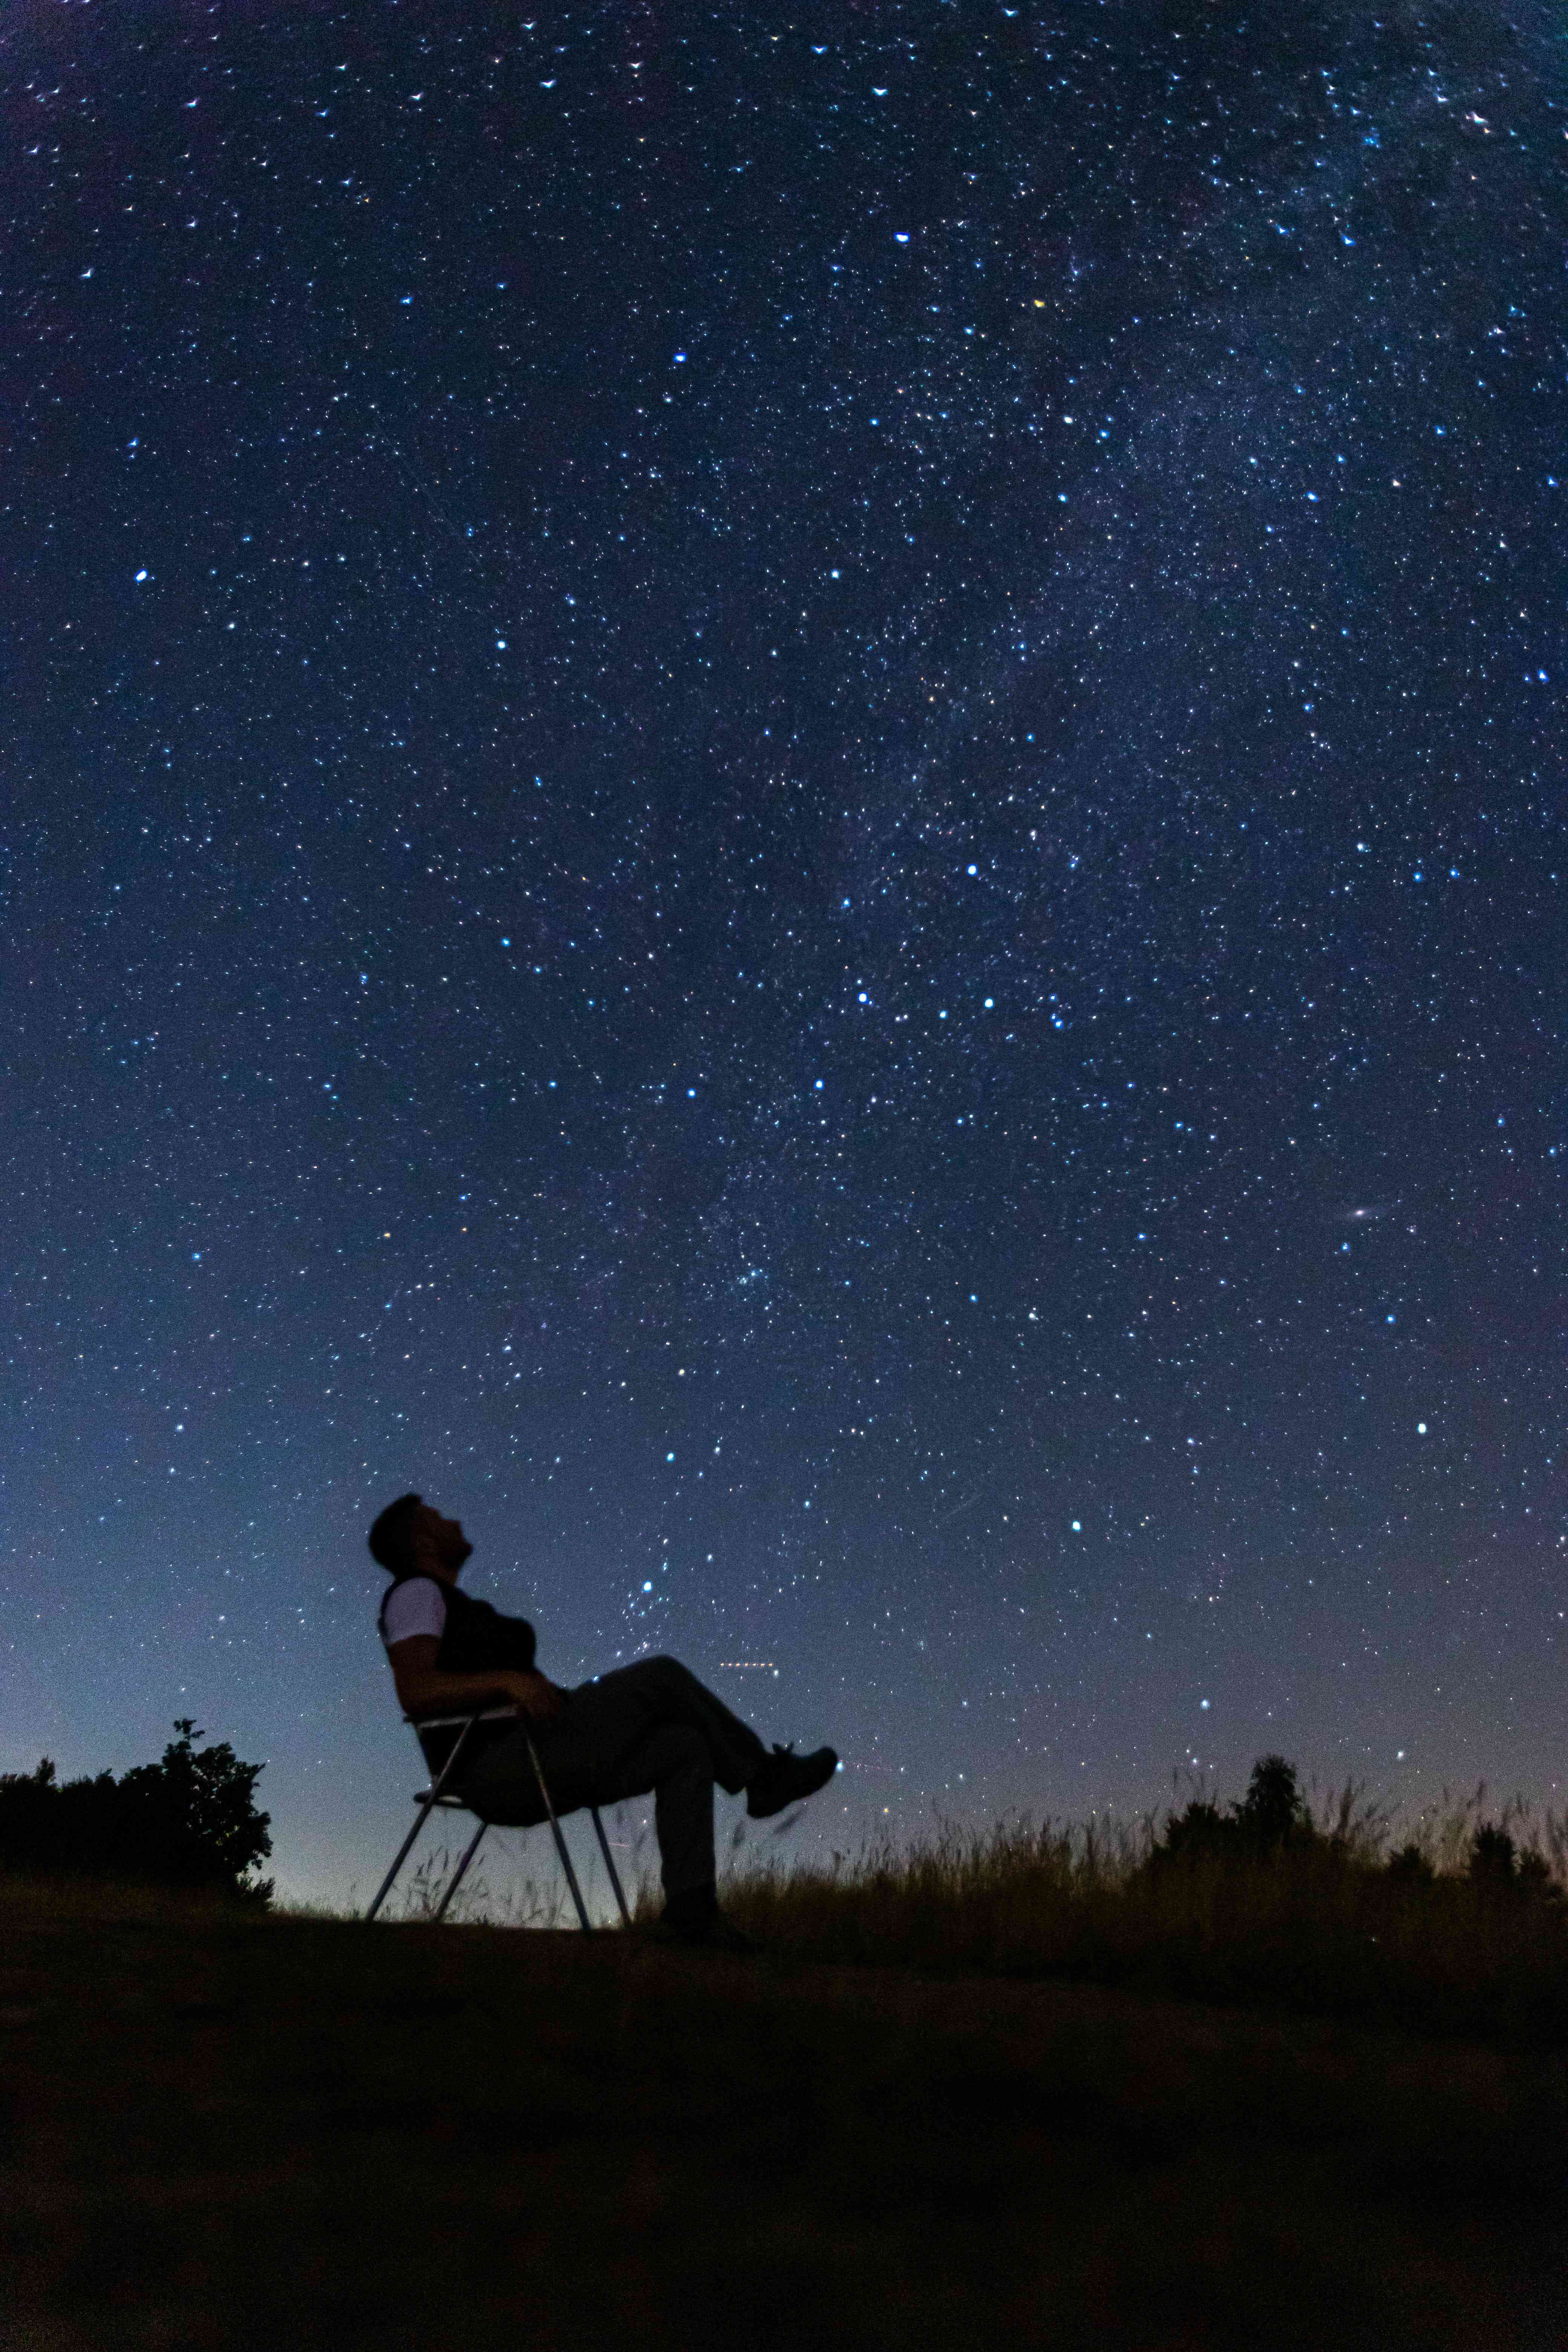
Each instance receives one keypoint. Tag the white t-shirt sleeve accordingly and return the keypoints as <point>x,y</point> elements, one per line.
<point>414,1608</point>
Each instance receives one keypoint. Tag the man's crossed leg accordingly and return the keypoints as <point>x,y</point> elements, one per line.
<point>648,1726</point>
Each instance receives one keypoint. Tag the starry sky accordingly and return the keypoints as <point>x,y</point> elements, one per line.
<point>782,800</point>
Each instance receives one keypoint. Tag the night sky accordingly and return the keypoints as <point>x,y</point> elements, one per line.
<point>784,801</point>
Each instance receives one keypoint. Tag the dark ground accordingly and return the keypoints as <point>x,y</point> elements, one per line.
<point>230,2131</point>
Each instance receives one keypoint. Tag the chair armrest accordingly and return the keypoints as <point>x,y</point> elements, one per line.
<point>445,1722</point>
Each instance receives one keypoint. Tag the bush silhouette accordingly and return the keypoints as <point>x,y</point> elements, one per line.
<point>1491,1858</point>
<point>1273,1813</point>
<point>188,1820</point>
<point>1271,1817</point>
<point>1497,1868</point>
<point>1410,1867</point>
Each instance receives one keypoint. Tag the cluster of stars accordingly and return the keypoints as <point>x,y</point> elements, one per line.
<point>824,845</point>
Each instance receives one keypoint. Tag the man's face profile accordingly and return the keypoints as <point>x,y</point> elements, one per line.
<point>439,1545</point>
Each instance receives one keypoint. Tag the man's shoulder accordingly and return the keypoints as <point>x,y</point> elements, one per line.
<point>419,1602</point>
<point>415,1577</point>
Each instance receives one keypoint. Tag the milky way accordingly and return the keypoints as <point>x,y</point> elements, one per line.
<point>784,801</point>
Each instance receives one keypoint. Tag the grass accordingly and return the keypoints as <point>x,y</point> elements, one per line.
<point>1324,1928</point>
<point>226,2129</point>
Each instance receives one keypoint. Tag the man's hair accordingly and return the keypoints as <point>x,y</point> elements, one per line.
<point>390,1536</point>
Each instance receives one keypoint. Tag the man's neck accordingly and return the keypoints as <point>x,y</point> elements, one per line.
<point>441,1570</point>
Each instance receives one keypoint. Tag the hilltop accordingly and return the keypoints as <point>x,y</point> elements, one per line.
<point>227,2129</point>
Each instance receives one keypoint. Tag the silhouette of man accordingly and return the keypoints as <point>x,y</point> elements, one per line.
<point>651,1725</point>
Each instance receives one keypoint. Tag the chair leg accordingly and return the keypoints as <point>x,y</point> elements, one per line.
<point>555,1827</point>
<point>420,1818</point>
<point>610,1866</point>
<point>561,1848</point>
<point>419,1821</point>
<point>457,1878</point>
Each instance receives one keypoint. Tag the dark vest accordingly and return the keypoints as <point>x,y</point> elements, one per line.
<point>475,1639</point>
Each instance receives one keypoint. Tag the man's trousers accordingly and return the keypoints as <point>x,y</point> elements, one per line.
<point>652,1726</point>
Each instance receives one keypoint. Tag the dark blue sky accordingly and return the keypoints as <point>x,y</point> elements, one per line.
<point>783,801</point>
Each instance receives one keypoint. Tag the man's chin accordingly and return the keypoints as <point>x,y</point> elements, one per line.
<point>461,1551</point>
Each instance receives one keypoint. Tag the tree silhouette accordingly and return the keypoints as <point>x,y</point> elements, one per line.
<point>1272,1813</point>
<point>189,1819</point>
<point>1491,1858</point>
<point>1271,1816</point>
<point>1496,1867</point>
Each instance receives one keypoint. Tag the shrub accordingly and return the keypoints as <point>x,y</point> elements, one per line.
<point>188,1820</point>
<point>1271,1817</point>
<point>1255,1903</point>
<point>1498,1869</point>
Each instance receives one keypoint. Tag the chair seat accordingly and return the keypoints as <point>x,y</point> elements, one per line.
<point>438,1795</point>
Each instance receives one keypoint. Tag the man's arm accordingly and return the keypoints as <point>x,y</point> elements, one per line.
<point>424,1689</point>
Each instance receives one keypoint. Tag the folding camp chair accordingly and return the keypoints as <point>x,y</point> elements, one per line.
<point>438,1793</point>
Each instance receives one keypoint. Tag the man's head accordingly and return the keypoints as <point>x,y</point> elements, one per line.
<point>410,1538</point>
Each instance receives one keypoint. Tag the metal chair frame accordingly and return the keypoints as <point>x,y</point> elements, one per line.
<point>438,1794</point>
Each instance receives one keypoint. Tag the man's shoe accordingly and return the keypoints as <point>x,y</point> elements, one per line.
<point>717,1935</point>
<point>783,1779</point>
<point>695,1920</point>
